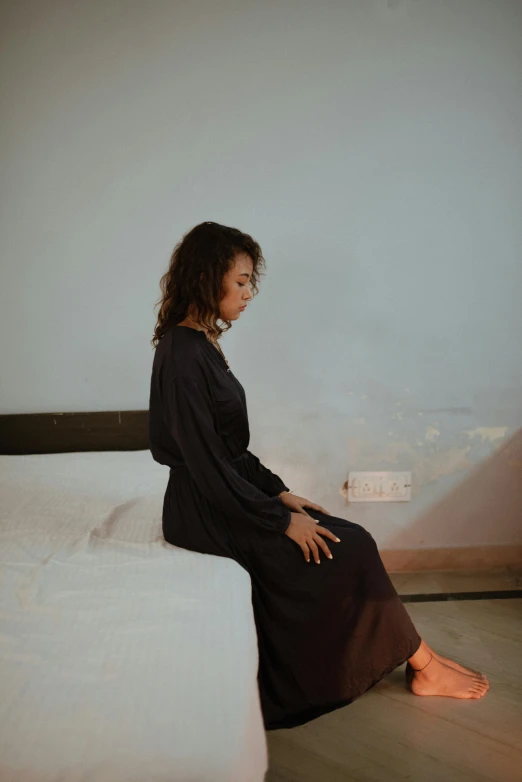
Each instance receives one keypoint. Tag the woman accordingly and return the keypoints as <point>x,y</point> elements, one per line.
<point>325,634</point>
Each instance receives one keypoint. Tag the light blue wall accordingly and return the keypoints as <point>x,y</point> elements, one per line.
<point>373,148</point>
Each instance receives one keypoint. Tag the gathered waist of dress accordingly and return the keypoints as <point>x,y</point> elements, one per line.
<point>234,460</point>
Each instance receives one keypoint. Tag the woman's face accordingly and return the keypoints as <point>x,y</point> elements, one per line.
<point>237,290</point>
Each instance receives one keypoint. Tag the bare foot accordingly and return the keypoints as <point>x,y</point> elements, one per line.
<point>456,666</point>
<point>439,679</point>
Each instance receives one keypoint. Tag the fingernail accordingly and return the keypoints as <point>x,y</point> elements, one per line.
<point>338,540</point>
<point>330,556</point>
<point>318,561</point>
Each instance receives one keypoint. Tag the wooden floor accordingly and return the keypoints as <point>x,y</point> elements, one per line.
<point>391,735</point>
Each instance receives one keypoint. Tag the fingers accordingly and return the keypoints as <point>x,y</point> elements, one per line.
<point>322,544</point>
<point>310,544</point>
<point>313,546</point>
<point>327,533</point>
<point>315,551</point>
<point>306,552</point>
<point>317,507</point>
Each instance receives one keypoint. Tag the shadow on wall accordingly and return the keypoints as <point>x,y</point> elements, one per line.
<point>484,510</point>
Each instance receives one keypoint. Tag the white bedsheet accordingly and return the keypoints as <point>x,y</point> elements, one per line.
<point>122,657</point>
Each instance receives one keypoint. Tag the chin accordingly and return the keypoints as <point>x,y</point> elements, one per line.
<point>234,315</point>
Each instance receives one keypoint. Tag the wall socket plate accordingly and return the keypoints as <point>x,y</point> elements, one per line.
<point>379,486</point>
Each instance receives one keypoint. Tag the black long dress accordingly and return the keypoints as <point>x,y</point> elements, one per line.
<point>326,632</point>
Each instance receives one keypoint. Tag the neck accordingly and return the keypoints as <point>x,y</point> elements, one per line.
<point>199,327</point>
<point>195,325</point>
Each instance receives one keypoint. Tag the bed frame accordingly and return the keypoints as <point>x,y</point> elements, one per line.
<point>27,433</point>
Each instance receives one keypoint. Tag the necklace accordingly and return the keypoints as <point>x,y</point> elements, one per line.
<point>212,343</point>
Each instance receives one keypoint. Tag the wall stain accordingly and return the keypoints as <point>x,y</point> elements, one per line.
<point>490,433</point>
<point>431,434</point>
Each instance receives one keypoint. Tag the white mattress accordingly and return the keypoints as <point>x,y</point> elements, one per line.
<point>122,657</point>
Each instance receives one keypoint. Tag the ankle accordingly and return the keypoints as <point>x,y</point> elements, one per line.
<point>421,658</point>
<point>418,670</point>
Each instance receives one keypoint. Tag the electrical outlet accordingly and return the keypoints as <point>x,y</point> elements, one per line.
<point>379,486</point>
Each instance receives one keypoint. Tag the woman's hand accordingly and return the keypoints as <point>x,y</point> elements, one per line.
<point>306,532</point>
<point>304,529</point>
<point>297,504</point>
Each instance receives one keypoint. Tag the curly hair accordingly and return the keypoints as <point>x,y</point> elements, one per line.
<point>208,248</point>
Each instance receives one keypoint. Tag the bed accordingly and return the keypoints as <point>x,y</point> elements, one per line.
<point>122,657</point>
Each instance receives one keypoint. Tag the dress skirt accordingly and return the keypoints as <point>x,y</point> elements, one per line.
<point>326,632</point>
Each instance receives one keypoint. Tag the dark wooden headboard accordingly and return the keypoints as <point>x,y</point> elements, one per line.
<point>26,433</point>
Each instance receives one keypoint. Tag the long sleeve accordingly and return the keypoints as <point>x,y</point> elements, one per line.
<point>266,480</point>
<point>190,419</point>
